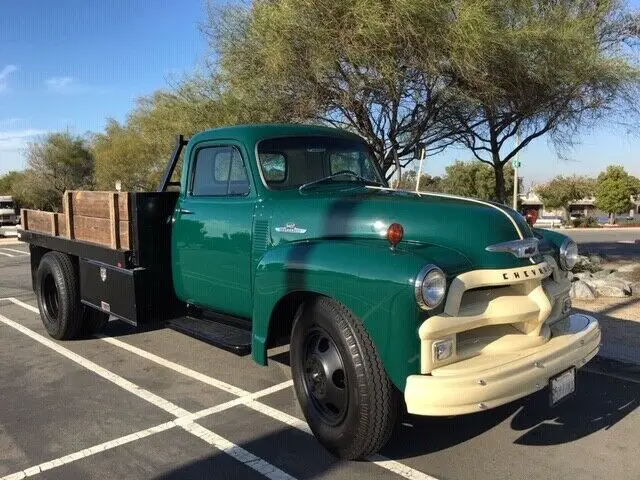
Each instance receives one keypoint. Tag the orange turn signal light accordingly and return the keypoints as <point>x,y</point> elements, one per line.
<point>395,232</point>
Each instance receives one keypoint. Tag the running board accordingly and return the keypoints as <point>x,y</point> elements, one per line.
<point>228,337</point>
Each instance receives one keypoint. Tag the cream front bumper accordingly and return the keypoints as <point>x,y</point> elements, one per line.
<point>488,381</point>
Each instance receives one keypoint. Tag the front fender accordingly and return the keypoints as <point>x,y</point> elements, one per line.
<point>374,282</point>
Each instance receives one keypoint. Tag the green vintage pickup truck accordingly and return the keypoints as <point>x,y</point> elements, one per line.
<point>290,234</point>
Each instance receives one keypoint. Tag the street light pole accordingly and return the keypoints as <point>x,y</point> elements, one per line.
<point>516,164</point>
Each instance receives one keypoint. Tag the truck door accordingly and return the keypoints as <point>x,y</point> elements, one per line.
<point>211,235</point>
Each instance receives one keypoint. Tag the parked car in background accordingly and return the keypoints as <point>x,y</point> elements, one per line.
<point>8,215</point>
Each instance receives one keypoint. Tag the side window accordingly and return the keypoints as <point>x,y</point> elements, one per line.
<point>219,171</point>
<point>274,166</point>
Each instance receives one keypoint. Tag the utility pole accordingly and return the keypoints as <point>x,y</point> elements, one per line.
<point>423,153</point>
<point>516,165</point>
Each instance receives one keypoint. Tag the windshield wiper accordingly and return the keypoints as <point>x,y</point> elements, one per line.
<point>338,174</point>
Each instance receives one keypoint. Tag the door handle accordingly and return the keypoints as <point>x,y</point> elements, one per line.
<point>184,211</point>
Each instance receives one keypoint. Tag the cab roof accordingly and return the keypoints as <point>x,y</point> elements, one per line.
<point>253,133</point>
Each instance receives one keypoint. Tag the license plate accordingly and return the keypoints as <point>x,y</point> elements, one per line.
<point>561,386</point>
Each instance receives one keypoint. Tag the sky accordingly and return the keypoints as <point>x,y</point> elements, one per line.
<point>71,64</point>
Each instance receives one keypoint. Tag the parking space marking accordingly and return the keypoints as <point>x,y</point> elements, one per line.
<point>178,422</point>
<point>175,367</point>
<point>377,459</point>
<point>237,452</point>
<point>7,254</point>
<point>123,383</point>
<point>87,452</point>
<point>21,252</point>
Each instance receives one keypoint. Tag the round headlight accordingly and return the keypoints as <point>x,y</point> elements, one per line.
<point>430,287</point>
<point>568,254</point>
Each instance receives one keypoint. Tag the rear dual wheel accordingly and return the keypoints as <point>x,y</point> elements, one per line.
<point>343,390</point>
<point>57,290</point>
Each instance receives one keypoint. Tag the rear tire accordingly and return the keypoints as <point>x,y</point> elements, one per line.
<point>58,296</point>
<point>341,385</point>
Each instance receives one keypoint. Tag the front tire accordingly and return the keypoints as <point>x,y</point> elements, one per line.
<point>343,390</point>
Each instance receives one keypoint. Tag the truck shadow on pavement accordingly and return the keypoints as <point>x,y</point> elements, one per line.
<point>600,402</point>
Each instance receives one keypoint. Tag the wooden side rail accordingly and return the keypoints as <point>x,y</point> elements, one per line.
<point>97,217</point>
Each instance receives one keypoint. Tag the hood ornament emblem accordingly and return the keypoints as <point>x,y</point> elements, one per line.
<point>290,228</point>
<point>525,248</point>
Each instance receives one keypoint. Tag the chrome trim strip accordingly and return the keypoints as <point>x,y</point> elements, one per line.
<point>524,248</point>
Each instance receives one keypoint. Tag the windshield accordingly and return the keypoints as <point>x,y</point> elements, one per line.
<point>6,205</point>
<point>288,163</point>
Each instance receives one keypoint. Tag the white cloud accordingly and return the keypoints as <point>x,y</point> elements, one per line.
<point>18,139</point>
<point>4,76</point>
<point>70,86</point>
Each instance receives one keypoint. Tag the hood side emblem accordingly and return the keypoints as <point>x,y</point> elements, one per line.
<point>525,248</point>
<point>290,228</point>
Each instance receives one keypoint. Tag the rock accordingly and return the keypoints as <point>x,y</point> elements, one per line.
<point>580,289</point>
<point>628,268</point>
<point>596,259</point>
<point>612,291</point>
<point>602,273</point>
<point>610,281</point>
<point>635,289</point>
<point>571,277</point>
<point>582,275</point>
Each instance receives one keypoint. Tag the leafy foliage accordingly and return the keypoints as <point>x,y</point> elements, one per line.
<point>9,180</point>
<point>560,191</point>
<point>365,66</point>
<point>613,191</point>
<point>56,163</point>
<point>474,179</point>
<point>536,68</point>
<point>427,182</point>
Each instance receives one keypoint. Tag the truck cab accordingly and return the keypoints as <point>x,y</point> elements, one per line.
<point>8,210</point>
<point>291,234</point>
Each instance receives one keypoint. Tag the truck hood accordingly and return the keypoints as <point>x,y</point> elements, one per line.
<point>464,225</point>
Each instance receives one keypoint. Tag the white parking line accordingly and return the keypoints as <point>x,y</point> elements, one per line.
<point>7,254</point>
<point>379,460</point>
<point>237,452</point>
<point>21,252</point>
<point>178,422</point>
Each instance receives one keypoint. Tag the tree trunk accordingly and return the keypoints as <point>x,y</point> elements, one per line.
<point>500,192</point>
<point>565,215</point>
<point>612,218</point>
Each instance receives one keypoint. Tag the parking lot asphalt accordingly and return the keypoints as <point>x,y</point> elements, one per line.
<point>158,404</point>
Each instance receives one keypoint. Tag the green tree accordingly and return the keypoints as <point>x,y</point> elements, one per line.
<point>9,180</point>
<point>137,151</point>
<point>614,188</point>
<point>56,163</point>
<point>369,67</point>
<point>474,179</point>
<point>427,182</point>
<point>560,191</point>
<point>537,67</point>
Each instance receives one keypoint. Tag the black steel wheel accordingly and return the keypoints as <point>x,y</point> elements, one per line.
<point>343,390</point>
<point>325,377</point>
<point>58,296</point>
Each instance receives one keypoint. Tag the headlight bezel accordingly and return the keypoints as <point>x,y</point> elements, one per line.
<point>422,276</point>
<point>564,250</point>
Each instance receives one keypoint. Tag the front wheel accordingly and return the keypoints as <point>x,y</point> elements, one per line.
<point>343,390</point>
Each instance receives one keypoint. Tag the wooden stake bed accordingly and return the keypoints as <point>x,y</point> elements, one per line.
<point>102,218</point>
